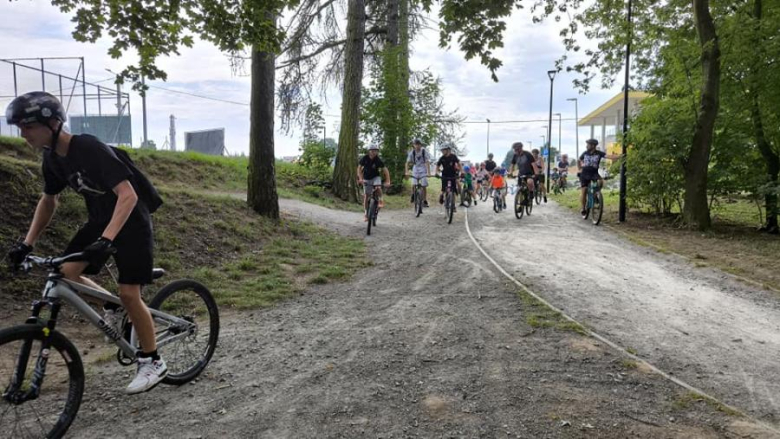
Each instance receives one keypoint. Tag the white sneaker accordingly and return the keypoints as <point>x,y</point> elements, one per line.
<point>150,373</point>
<point>113,319</point>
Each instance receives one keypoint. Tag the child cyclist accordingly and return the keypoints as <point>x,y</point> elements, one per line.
<point>498,184</point>
<point>468,184</point>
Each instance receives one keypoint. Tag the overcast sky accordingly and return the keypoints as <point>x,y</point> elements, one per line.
<point>37,29</point>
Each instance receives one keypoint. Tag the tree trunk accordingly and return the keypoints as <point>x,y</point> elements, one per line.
<point>771,157</point>
<point>696,210</point>
<point>345,171</point>
<point>403,70</point>
<point>261,182</point>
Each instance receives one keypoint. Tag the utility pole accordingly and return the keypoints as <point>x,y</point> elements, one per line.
<point>551,75</point>
<point>576,127</point>
<point>622,205</point>
<point>488,136</point>
<point>143,109</point>
<point>559,133</point>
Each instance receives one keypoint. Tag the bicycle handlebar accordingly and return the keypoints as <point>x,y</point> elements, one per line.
<point>50,262</point>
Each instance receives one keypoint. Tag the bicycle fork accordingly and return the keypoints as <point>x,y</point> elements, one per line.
<point>14,394</point>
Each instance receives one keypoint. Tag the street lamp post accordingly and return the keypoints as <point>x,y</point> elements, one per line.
<point>559,132</point>
<point>488,136</point>
<point>143,108</point>
<point>576,127</point>
<point>551,75</point>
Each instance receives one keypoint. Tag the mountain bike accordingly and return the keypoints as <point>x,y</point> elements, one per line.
<point>41,372</point>
<point>594,206</point>
<point>465,196</point>
<point>373,209</point>
<point>449,198</point>
<point>524,202</point>
<point>498,201</point>
<point>556,183</point>
<point>537,191</point>
<point>417,196</point>
<point>483,192</point>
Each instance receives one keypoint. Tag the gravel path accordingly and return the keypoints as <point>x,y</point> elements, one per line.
<point>428,342</point>
<point>713,332</point>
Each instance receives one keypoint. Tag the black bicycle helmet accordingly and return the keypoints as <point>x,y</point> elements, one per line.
<point>36,106</point>
<point>592,141</point>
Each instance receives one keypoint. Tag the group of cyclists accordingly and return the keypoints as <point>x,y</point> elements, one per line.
<point>527,166</point>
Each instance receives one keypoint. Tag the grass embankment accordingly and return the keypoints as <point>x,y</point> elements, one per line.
<point>245,259</point>
<point>185,170</point>
<point>732,245</point>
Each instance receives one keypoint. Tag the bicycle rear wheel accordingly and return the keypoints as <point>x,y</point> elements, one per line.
<point>418,202</point>
<point>598,208</point>
<point>538,196</point>
<point>53,411</point>
<point>186,356</point>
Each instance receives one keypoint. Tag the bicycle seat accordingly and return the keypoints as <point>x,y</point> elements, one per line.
<point>157,273</point>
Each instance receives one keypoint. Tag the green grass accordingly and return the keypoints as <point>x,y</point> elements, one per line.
<point>245,259</point>
<point>539,315</point>
<point>737,210</point>
<point>686,400</point>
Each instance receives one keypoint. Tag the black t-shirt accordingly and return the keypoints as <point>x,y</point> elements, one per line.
<point>448,163</point>
<point>524,162</point>
<point>591,162</point>
<point>92,169</point>
<point>490,165</point>
<point>371,167</point>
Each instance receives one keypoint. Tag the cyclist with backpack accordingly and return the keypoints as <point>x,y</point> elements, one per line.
<point>119,201</point>
<point>421,163</point>
<point>449,165</point>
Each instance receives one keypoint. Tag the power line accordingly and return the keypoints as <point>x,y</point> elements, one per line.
<point>198,96</point>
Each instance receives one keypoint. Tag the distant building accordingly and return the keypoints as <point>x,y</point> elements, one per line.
<point>609,117</point>
<point>290,158</point>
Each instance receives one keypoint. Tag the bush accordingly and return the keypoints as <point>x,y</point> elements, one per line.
<point>299,176</point>
<point>660,138</point>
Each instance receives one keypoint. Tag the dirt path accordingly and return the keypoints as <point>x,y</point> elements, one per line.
<point>429,342</point>
<point>699,324</point>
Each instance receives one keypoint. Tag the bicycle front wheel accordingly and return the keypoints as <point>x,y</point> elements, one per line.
<point>52,412</point>
<point>450,207</point>
<point>370,215</point>
<point>538,196</point>
<point>187,351</point>
<point>598,208</point>
<point>519,208</point>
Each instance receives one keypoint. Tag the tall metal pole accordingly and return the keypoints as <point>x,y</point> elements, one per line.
<point>84,92</point>
<point>488,136</point>
<point>143,109</point>
<point>16,89</point>
<point>622,207</point>
<point>576,127</point>
<point>551,75</point>
<point>559,133</point>
<point>43,76</point>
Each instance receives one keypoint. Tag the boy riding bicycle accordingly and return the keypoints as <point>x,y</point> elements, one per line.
<point>468,184</point>
<point>368,172</point>
<point>119,202</point>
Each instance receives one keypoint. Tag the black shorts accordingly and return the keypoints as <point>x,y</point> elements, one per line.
<point>134,251</point>
<point>540,178</point>
<point>585,179</point>
<point>454,181</point>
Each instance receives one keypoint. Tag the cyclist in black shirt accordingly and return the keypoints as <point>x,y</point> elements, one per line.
<point>589,169</point>
<point>368,171</point>
<point>490,165</point>
<point>118,224</point>
<point>526,166</point>
<point>449,164</point>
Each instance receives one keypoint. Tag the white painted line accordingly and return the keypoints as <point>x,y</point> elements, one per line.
<point>608,342</point>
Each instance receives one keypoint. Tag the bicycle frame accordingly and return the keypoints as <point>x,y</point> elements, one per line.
<point>59,289</point>
<point>592,188</point>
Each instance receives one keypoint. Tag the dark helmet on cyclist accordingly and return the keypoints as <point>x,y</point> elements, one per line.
<point>36,106</point>
<point>417,141</point>
<point>517,145</point>
<point>445,145</point>
<point>490,156</point>
<point>592,142</point>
